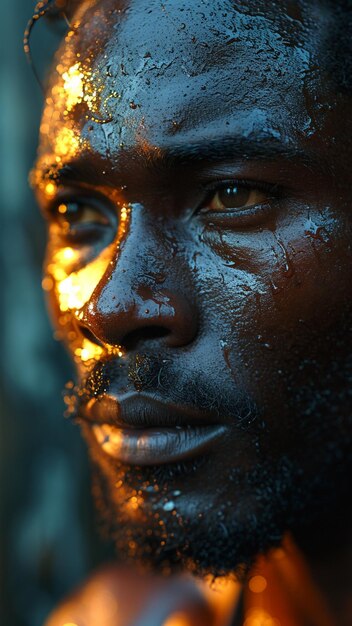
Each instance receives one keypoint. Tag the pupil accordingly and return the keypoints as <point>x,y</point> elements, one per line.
<point>233,197</point>
<point>72,212</point>
<point>72,208</point>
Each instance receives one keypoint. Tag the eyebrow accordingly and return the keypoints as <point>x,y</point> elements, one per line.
<point>257,148</point>
<point>229,148</point>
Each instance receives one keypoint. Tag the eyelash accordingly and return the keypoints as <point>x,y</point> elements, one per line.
<point>221,183</point>
<point>83,233</point>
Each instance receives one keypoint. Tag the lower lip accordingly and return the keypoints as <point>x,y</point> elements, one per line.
<point>155,446</point>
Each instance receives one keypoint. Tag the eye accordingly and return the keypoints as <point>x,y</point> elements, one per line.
<point>83,220</point>
<point>79,213</point>
<point>233,197</point>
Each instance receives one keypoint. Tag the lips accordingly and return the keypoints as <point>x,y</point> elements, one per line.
<point>140,430</point>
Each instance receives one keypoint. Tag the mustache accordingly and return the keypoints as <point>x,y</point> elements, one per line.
<point>158,375</point>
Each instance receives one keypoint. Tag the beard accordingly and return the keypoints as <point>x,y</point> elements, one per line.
<point>221,539</point>
<point>214,515</point>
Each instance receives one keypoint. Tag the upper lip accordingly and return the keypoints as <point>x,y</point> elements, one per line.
<point>139,411</point>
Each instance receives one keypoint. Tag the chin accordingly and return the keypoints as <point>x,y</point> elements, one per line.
<point>167,520</point>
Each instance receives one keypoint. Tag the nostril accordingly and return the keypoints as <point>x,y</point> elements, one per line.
<point>87,334</point>
<point>132,339</point>
<point>168,320</point>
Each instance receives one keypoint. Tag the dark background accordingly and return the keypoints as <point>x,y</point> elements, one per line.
<point>47,539</point>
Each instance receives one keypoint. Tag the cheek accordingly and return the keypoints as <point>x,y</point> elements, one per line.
<point>274,295</point>
<point>68,293</point>
<point>277,277</point>
<point>313,287</point>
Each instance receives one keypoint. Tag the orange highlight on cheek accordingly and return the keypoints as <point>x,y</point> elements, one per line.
<point>74,290</point>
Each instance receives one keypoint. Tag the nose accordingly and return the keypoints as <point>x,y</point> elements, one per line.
<point>134,304</point>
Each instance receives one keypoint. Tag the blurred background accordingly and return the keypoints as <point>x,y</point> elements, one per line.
<point>48,541</point>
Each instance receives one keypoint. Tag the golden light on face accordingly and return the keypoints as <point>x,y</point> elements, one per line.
<point>108,437</point>
<point>75,96</point>
<point>66,143</point>
<point>75,288</point>
<point>76,85</point>
<point>72,277</point>
<point>58,269</point>
<point>80,84</point>
<point>73,85</point>
<point>68,254</point>
<point>88,351</point>
<point>47,283</point>
<point>50,189</point>
<point>57,127</point>
<point>74,291</point>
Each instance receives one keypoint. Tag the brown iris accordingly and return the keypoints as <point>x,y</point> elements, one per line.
<point>235,197</point>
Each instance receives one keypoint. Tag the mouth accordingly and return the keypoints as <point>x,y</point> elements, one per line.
<point>140,430</point>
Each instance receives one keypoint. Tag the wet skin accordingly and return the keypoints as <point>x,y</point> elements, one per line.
<point>195,175</point>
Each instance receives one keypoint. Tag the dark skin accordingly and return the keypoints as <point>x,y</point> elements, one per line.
<point>196,180</point>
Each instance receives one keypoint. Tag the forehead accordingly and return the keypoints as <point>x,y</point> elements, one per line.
<point>152,72</point>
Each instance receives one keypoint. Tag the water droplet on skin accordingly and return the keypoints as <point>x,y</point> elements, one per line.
<point>274,288</point>
<point>289,268</point>
<point>175,126</point>
<point>169,506</point>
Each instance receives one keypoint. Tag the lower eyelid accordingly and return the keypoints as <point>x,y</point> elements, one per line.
<point>267,202</point>
<point>248,216</point>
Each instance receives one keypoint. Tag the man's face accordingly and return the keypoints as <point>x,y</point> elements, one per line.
<point>194,170</point>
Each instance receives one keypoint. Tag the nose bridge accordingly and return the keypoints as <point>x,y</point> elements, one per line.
<point>142,289</point>
<point>132,270</point>
<point>128,267</point>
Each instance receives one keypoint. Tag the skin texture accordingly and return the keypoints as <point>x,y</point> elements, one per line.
<point>242,314</point>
